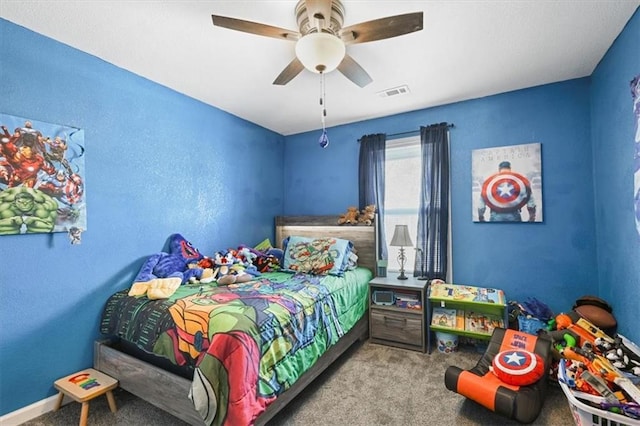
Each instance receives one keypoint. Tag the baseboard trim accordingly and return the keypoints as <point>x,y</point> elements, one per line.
<point>32,411</point>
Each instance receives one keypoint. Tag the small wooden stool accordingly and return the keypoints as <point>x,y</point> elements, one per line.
<point>83,386</point>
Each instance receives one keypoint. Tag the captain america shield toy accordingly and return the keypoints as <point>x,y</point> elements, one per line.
<point>518,367</point>
<point>506,192</point>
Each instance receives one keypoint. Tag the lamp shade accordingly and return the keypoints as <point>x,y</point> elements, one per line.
<point>320,52</point>
<point>401,237</point>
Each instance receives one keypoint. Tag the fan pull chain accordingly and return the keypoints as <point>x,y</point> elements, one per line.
<point>324,139</point>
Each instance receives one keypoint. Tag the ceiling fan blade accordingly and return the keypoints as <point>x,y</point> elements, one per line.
<point>354,72</point>
<point>319,12</point>
<point>379,29</point>
<point>254,28</point>
<point>294,68</point>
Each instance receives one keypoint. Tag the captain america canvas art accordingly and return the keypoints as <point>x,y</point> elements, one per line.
<point>502,192</point>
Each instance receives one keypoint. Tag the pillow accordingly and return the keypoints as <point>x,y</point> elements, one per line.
<point>518,367</point>
<point>318,256</point>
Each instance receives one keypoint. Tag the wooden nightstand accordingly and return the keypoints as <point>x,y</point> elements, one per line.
<point>397,312</point>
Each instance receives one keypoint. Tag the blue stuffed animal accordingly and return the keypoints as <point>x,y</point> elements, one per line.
<point>163,273</point>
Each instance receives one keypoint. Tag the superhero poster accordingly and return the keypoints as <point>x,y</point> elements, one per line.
<point>635,95</point>
<point>507,184</point>
<point>41,178</point>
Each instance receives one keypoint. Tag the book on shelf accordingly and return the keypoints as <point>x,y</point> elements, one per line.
<point>466,293</point>
<point>444,317</point>
<point>477,322</point>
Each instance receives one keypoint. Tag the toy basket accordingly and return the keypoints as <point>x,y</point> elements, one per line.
<point>585,415</point>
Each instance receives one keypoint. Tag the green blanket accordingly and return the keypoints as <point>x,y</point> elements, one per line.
<point>247,342</point>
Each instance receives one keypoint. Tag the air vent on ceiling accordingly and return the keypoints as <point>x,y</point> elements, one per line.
<point>394,91</point>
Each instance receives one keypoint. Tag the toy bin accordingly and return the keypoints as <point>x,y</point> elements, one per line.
<point>446,342</point>
<point>586,415</point>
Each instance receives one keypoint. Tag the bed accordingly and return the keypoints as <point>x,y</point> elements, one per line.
<point>229,361</point>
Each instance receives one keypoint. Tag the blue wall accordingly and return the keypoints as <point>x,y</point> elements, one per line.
<point>157,163</point>
<point>557,258</point>
<point>613,129</point>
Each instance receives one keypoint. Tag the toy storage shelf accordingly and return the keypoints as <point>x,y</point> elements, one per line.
<point>474,308</point>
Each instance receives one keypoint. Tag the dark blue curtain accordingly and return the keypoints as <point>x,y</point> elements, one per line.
<point>371,183</point>
<point>433,215</point>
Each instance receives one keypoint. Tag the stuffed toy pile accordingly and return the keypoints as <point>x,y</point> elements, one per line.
<point>244,263</point>
<point>162,273</point>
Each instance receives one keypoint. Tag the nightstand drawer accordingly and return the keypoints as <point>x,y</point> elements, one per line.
<point>400,327</point>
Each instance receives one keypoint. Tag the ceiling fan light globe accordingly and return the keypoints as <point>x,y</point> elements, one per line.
<point>320,52</point>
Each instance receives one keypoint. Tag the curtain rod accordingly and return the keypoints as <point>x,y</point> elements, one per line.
<point>412,132</point>
<point>409,132</point>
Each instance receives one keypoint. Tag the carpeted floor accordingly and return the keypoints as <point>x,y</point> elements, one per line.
<point>369,385</point>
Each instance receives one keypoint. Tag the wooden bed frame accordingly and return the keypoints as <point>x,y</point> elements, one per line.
<point>169,391</point>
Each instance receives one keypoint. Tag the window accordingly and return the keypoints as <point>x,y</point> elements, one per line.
<point>402,195</point>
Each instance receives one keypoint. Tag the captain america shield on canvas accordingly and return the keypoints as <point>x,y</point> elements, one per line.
<point>506,191</point>
<point>507,184</point>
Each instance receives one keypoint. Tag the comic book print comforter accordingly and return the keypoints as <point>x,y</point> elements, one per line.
<point>247,342</point>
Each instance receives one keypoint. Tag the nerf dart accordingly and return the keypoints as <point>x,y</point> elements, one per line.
<point>629,345</point>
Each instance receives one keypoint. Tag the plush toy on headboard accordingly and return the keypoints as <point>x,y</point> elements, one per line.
<point>163,273</point>
<point>368,215</point>
<point>350,217</point>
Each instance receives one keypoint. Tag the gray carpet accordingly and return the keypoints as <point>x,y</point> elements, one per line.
<point>369,385</point>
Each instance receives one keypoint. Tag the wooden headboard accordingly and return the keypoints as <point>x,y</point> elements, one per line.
<point>363,237</point>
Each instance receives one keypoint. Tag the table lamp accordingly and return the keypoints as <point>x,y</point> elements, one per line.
<point>401,239</point>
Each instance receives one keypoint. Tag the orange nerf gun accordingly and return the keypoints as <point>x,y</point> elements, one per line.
<point>587,332</point>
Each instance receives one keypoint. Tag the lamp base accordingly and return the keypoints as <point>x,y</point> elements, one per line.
<point>402,276</point>
<point>422,278</point>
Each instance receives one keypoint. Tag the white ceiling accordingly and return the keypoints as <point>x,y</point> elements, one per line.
<point>467,49</point>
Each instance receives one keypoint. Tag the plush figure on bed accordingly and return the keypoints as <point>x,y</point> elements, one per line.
<point>242,260</point>
<point>271,260</point>
<point>229,270</point>
<point>163,273</point>
<point>268,258</point>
